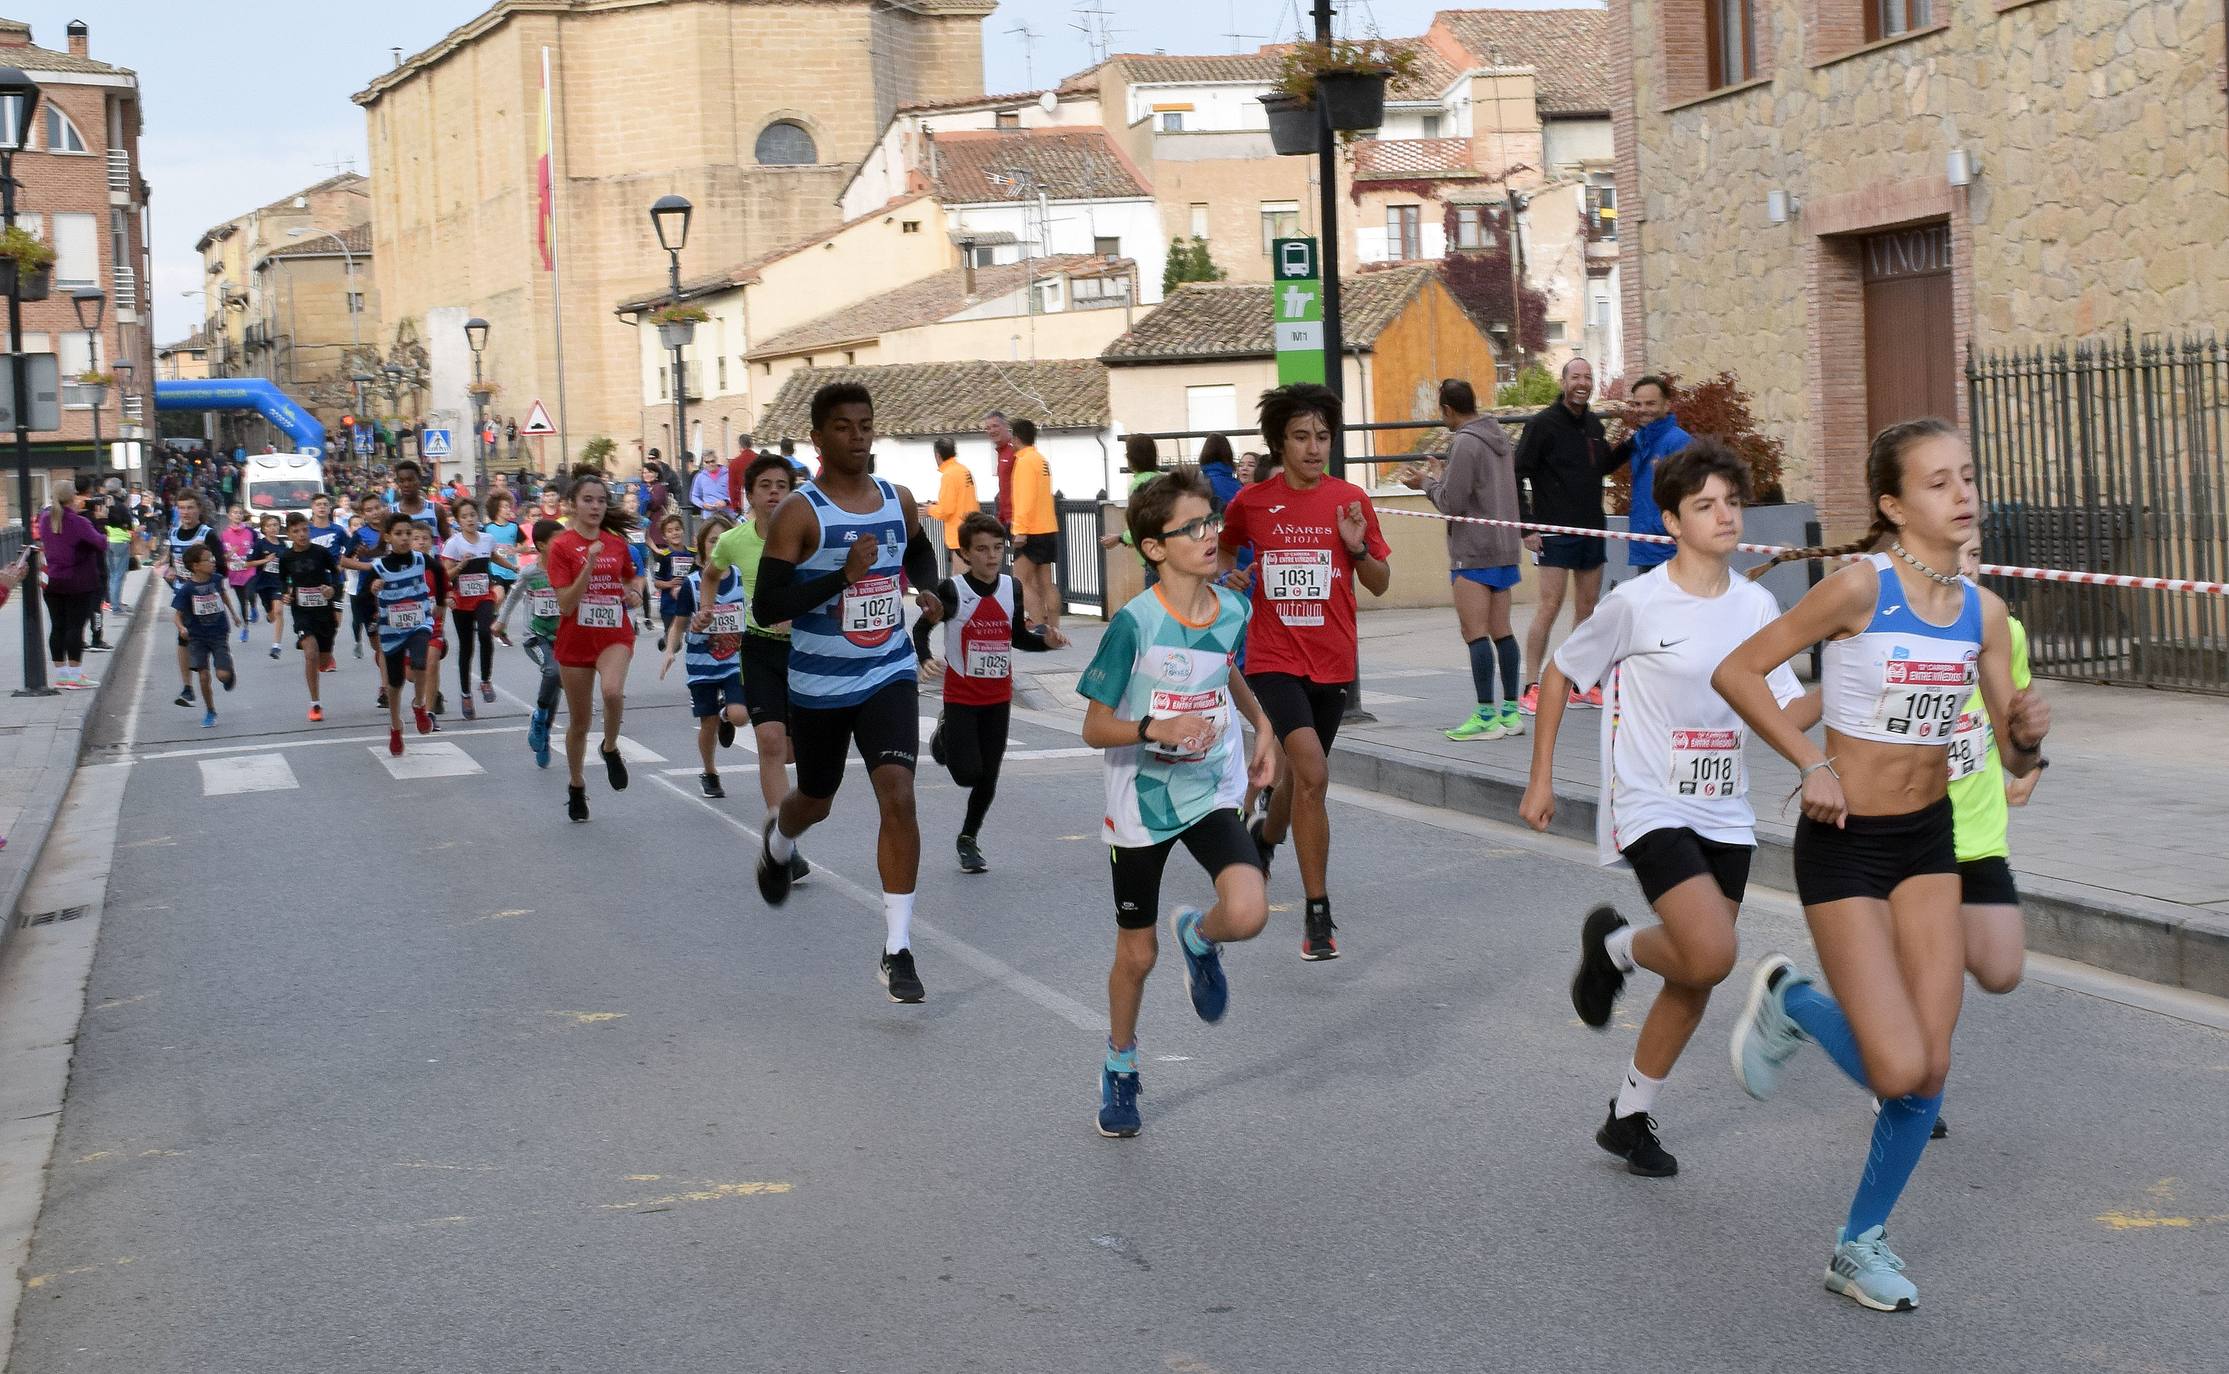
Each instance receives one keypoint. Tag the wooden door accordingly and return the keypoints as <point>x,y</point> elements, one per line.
<point>1911,360</point>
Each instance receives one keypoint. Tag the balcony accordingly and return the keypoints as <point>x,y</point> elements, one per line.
<point>119,174</point>
<point>126,289</point>
<point>133,405</point>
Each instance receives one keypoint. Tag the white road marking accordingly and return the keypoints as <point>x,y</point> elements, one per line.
<point>247,773</point>
<point>1016,755</point>
<point>635,752</point>
<point>146,661</point>
<point>427,758</point>
<point>315,742</point>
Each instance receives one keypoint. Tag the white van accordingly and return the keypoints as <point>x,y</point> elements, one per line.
<point>281,483</point>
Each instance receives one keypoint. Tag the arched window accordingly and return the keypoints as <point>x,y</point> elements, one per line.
<point>61,135</point>
<point>785,144</point>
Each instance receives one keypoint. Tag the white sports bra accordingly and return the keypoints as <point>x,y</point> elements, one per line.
<point>1901,680</point>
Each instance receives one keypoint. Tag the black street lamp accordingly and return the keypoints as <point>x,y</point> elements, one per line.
<point>476,338</point>
<point>19,98</point>
<point>670,217</point>
<point>393,388</point>
<point>91,304</point>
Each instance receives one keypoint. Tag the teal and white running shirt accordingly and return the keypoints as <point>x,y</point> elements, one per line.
<point>1150,663</point>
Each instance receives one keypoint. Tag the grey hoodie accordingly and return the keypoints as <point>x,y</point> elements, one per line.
<point>1480,480</point>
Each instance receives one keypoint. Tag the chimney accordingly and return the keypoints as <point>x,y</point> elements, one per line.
<point>14,33</point>
<point>78,33</point>
<point>967,268</point>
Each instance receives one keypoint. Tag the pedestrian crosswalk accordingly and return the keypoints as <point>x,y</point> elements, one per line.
<point>432,758</point>
<point>229,777</point>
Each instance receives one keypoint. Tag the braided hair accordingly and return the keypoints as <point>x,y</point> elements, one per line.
<point>1884,476</point>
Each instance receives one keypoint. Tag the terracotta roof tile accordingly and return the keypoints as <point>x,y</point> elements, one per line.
<point>926,301</point>
<point>1569,48</point>
<point>1155,69</point>
<point>1009,100</point>
<point>918,399</point>
<point>975,166</point>
<point>357,237</point>
<point>1232,319</point>
<point>1380,158</point>
<point>26,56</point>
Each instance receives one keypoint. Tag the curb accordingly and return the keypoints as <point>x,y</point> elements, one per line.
<point>27,840</point>
<point>2158,942</point>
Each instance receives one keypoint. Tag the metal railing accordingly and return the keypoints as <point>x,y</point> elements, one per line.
<point>1082,567</point>
<point>126,289</point>
<point>2109,456</point>
<point>119,170</point>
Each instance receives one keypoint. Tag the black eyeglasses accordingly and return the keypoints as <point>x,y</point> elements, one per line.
<point>1206,527</point>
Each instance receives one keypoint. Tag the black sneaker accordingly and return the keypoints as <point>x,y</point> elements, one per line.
<point>1595,987</point>
<point>773,874</point>
<point>1264,848</point>
<point>936,742</point>
<point>382,702</point>
<point>710,782</point>
<point>440,703</point>
<point>971,857</point>
<point>1941,1130</point>
<point>799,870</point>
<point>1633,1139</point>
<point>184,697</point>
<point>576,803</point>
<point>1318,944</point>
<point>727,733</point>
<point>615,769</point>
<point>98,647</point>
<point>897,975</point>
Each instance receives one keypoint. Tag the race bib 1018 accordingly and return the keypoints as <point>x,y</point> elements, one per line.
<point>1706,763</point>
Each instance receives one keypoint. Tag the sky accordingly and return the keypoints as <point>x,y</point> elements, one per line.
<point>248,100</point>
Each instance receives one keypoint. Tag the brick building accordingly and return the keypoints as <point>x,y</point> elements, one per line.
<point>1834,198</point>
<point>82,192</point>
<point>754,110</point>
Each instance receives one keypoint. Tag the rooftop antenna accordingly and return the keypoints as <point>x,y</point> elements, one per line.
<point>344,164</point>
<point>1092,22</point>
<point>1238,40</point>
<point>1029,53</point>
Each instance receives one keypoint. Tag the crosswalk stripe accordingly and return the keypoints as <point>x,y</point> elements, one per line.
<point>427,758</point>
<point>246,773</point>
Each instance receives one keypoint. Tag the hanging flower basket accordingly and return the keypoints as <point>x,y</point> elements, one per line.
<point>1349,78</point>
<point>1354,100</point>
<point>1292,124</point>
<point>26,265</point>
<point>484,390</point>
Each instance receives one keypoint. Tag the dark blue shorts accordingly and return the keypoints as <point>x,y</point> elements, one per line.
<point>1501,579</point>
<point>708,699</point>
<point>1578,552</point>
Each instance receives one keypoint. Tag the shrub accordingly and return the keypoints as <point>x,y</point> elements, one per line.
<point>1718,407</point>
<point>1535,386</point>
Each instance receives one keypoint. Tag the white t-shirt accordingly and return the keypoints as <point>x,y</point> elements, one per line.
<point>461,548</point>
<point>1671,746</point>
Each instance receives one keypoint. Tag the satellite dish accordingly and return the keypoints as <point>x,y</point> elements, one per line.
<point>1048,102</point>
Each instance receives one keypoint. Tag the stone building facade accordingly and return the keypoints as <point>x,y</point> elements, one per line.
<point>756,111</point>
<point>317,310</point>
<point>1985,172</point>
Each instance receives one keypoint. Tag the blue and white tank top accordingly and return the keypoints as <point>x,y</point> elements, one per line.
<point>1902,679</point>
<point>180,541</point>
<point>505,533</point>
<point>405,600</point>
<point>715,655</point>
<point>846,650</point>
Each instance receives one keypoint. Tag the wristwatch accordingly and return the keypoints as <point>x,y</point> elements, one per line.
<point>1145,723</point>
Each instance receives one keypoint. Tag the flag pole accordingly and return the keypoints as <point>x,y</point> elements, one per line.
<point>557,258</point>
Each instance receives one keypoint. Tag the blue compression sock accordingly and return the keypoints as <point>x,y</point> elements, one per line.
<point>1482,671</point>
<point>1122,1060</point>
<point>1511,666</point>
<point>1821,1018</point>
<point>1899,1134</point>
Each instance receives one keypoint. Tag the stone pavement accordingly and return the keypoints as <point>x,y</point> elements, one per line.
<point>2120,854</point>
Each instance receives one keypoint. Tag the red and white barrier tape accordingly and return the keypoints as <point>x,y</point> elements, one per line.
<point>2089,579</point>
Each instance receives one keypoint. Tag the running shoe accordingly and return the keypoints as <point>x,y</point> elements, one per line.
<point>727,732</point>
<point>576,803</point>
<point>1593,698</point>
<point>538,737</point>
<point>440,703</point>
<point>98,647</point>
<point>1577,701</point>
<point>1529,702</point>
<point>359,649</point>
<point>317,713</point>
<point>184,698</point>
<point>1482,723</point>
<point>1940,1130</point>
<point>274,651</point>
<point>1263,847</point>
<point>330,667</point>
<point>487,690</point>
<point>898,976</point>
<point>936,742</point>
<point>971,857</point>
<point>1633,1139</point>
<point>208,720</point>
<point>468,715</point>
<point>799,870</point>
<point>1118,1104</point>
<point>1317,945</point>
<point>1764,1037</point>
<point>615,768</point>
<point>228,680</point>
<point>1512,719</point>
<point>1866,1271</point>
<point>1203,973</point>
<point>394,743</point>
<point>244,629</point>
<point>421,719</point>
<point>710,784</point>
<point>1595,987</point>
<point>382,702</point>
<point>773,874</point>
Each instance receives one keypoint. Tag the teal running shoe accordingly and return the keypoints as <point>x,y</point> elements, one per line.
<point>1868,1273</point>
<point>1764,1037</point>
<point>1483,723</point>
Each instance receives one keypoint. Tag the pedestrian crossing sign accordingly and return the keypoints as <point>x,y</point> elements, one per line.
<point>435,444</point>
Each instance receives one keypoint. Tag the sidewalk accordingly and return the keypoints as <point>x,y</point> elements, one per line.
<point>2120,856</point>
<point>40,741</point>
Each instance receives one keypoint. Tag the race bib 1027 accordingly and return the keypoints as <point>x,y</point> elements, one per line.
<point>869,611</point>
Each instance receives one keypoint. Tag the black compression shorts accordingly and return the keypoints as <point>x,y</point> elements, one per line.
<point>886,727</point>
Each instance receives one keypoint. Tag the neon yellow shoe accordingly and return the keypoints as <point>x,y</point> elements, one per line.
<point>1484,723</point>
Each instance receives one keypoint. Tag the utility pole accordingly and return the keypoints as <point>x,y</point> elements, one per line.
<point>1327,189</point>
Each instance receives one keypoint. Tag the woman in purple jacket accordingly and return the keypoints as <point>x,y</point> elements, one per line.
<point>75,554</point>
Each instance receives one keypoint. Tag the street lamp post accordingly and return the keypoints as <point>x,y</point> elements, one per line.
<point>670,217</point>
<point>91,304</point>
<point>476,337</point>
<point>19,97</point>
<point>125,370</point>
<point>393,388</point>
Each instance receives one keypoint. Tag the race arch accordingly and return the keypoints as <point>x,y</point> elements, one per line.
<point>258,394</point>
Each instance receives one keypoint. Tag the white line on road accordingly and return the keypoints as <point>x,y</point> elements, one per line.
<point>315,742</point>
<point>427,758</point>
<point>229,777</point>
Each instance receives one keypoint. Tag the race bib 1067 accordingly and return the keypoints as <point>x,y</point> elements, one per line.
<point>407,616</point>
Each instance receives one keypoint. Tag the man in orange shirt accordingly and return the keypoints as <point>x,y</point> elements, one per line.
<point>955,496</point>
<point>1036,526</point>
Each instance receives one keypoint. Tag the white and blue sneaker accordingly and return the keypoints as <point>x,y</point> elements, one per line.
<point>1764,1036</point>
<point>1867,1272</point>
<point>1203,973</point>
<point>1118,1104</point>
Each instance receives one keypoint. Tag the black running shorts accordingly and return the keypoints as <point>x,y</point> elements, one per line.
<point>1218,840</point>
<point>323,625</point>
<point>1871,856</point>
<point>766,678</point>
<point>1298,703</point>
<point>886,727</point>
<point>1663,859</point>
<point>1988,882</point>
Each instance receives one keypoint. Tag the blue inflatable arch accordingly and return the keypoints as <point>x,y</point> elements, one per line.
<point>245,393</point>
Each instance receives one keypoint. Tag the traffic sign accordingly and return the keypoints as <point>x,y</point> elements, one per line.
<point>1296,312</point>
<point>537,421</point>
<point>363,439</point>
<point>435,444</point>
<point>44,373</point>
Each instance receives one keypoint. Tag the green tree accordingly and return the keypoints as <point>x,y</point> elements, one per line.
<point>597,452</point>
<point>1189,260</point>
<point>1535,386</point>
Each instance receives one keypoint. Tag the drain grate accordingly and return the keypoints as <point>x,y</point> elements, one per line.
<point>47,918</point>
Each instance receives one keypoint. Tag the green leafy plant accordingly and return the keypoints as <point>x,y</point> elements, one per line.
<point>680,314</point>
<point>483,390</point>
<point>1302,63</point>
<point>27,250</point>
<point>1535,386</point>
<point>597,452</point>
<point>1189,260</point>
<point>1718,407</point>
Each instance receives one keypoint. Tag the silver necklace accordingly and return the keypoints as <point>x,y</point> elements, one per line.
<point>1946,579</point>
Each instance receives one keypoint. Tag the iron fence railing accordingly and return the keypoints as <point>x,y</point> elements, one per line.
<point>11,544</point>
<point>1082,568</point>
<point>2109,455</point>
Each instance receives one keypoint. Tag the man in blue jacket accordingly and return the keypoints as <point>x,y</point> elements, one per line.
<point>1655,436</point>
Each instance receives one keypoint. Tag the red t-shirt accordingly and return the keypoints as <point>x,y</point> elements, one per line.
<point>1303,593</point>
<point>601,618</point>
<point>737,466</point>
<point>1006,485</point>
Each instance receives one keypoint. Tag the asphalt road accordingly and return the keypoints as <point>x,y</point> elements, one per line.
<point>410,1075</point>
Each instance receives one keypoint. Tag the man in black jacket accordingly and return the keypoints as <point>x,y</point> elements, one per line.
<point>1561,461</point>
